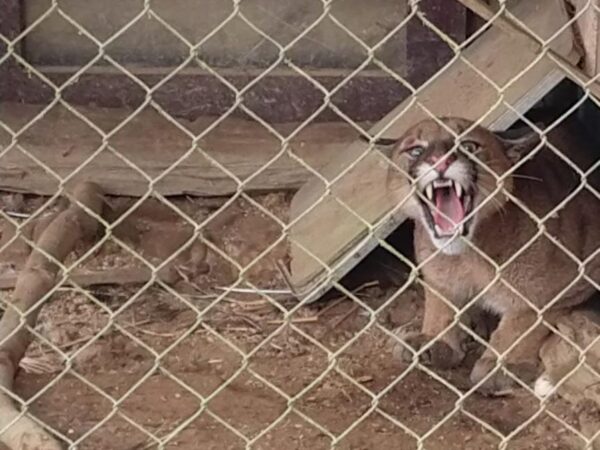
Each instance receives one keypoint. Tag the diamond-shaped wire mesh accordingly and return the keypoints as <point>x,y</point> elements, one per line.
<point>169,321</point>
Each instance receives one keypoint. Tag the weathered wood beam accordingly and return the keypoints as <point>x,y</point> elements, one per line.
<point>152,144</point>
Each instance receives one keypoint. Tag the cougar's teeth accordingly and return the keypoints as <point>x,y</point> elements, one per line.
<point>458,188</point>
<point>429,191</point>
<point>442,183</point>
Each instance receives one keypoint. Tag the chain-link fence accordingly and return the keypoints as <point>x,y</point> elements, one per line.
<point>171,302</point>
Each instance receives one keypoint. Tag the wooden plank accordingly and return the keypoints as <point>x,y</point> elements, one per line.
<point>153,144</point>
<point>588,12</point>
<point>281,96</point>
<point>149,43</point>
<point>572,71</point>
<point>460,91</point>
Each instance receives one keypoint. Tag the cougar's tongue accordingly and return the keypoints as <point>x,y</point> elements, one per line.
<point>449,209</point>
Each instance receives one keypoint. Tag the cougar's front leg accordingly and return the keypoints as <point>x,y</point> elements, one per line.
<point>522,360</point>
<point>446,350</point>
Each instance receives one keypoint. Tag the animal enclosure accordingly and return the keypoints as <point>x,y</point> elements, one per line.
<point>200,245</point>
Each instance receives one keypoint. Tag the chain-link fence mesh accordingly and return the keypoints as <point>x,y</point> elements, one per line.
<point>207,350</point>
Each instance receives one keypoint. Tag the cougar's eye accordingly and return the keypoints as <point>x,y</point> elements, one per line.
<point>415,152</point>
<point>469,146</point>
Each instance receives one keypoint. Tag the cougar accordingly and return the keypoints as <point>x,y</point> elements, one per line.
<point>503,222</point>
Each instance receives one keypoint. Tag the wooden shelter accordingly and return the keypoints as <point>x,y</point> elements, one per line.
<point>504,70</point>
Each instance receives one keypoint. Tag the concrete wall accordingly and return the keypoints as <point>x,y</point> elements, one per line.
<point>149,43</point>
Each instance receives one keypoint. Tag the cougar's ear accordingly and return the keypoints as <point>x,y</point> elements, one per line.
<point>518,142</point>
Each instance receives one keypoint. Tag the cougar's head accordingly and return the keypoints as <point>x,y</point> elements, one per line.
<point>455,179</point>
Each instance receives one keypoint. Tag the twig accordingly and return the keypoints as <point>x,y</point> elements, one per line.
<point>17,214</point>
<point>255,291</point>
<point>366,285</point>
<point>238,329</point>
<point>504,393</point>
<point>364,379</point>
<point>186,278</point>
<point>339,300</point>
<point>331,305</point>
<point>249,320</point>
<point>156,333</point>
<point>345,394</point>
<point>276,347</point>
<point>287,277</point>
<point>148,443</point>
<point>74,342</point>
<point>250,304</point>
<point>310,319</point>
<point>527,177</point>
<point>336,323</point>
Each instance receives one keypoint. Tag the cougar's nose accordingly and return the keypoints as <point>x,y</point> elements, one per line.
<point>441,162</point>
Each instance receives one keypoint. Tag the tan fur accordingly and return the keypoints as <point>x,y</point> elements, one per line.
<point>536,269</point>
<point>561,354</point>
<point>571,363</point>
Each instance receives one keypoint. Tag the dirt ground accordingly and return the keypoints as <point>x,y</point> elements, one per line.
<point>202,368</point>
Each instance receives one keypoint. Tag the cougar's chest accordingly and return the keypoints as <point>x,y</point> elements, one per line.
<point>456,277</point>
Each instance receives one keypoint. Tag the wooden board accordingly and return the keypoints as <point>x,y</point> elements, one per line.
<point>283,95</point>
<point>327,239</point>
<point>588,27</point>
<point>63,143</point>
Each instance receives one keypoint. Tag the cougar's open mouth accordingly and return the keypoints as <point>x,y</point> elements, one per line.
<point>448,205</point>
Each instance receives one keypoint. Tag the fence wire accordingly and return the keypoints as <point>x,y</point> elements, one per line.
<point>419,439</point>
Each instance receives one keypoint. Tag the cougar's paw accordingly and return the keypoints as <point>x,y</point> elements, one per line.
<point>439,354</point>
<point>500,383</point>
<point>544,386</point>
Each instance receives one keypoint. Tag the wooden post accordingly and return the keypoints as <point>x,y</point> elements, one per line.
<point>426,51</point>
<point>10,26</point>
